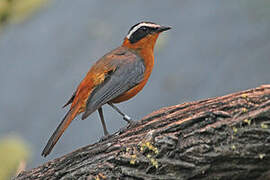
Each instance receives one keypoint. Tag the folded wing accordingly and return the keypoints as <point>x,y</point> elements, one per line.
<point>126,75</point>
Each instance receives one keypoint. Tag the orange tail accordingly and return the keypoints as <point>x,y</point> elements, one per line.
<point>60,130</point>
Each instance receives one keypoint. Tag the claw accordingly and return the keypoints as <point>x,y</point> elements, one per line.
<point>130,124</point>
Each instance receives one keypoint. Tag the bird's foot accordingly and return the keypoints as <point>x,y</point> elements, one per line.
<point>131,124</point>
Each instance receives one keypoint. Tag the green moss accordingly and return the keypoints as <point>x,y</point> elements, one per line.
<point>146,149</point>
<point>154,162</point>
<point>133,159</point>
<point>264,126</point>
<point>235,130</point>
<point>248,121</point>
<point>149,146</point>
<point>233,147</point>
<point>261,156</point>
<point>244,110</point>
<point>152,151</point>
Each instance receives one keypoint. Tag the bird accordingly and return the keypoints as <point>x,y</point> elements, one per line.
<point>116,77</point>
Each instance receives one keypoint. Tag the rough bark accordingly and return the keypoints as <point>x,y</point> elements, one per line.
<point>218,138</point>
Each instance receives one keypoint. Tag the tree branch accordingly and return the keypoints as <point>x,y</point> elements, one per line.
<point>226,137</point>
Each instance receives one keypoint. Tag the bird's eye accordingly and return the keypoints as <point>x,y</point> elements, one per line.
<point>144,29</point>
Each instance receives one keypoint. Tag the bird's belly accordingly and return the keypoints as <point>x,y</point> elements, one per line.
<point>130,93</point>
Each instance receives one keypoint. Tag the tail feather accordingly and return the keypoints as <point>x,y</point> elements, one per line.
<point>59,131</point>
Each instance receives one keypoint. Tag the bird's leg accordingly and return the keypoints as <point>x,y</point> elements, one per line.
<point>125,117</point>
<point>103,122</point>
<point>131,123</point>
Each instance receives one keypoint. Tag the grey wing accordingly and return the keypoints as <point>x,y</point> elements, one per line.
<point>125,77</point>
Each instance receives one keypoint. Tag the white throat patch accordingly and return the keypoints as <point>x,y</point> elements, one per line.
<point>141,25</point>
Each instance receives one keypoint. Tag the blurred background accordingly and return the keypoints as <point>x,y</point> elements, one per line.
<point>47,47</point>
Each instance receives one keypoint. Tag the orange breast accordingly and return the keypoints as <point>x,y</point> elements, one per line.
<point>129,94</point>
<point>145,50</point>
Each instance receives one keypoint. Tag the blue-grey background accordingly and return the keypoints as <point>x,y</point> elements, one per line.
<point>214,48</point>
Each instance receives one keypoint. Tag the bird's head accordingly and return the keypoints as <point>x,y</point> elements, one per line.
<point>143,35</point>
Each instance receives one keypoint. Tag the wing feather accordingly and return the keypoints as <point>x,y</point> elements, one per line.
<point>126,75</point>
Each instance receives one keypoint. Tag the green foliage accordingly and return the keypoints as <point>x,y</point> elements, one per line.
<point>13,152</point>
<point>18,10</point>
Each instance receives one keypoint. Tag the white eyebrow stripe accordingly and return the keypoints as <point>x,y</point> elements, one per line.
<point>140,25</point>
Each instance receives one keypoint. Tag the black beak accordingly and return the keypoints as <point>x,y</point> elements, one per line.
<point>163,28</point>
